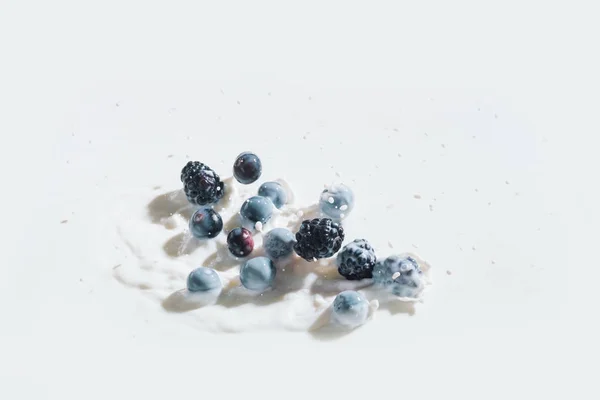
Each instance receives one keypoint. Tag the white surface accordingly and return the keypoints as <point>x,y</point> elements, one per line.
<point>147,232</point>
<point>94,98</point>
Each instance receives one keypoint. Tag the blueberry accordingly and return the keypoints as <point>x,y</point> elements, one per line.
<point>257,209</point>
<point>247,168</point>
<point>273,191</point>
<point>203,279</point>
<point>336,201</point>
<point>240,242</point>
<point>279,243</point>
<point>206,223</point>
<point>400,274</point>
<point>257,273</point>
<point>350,309</point>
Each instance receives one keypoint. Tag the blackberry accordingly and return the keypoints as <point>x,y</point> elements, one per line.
<point>356,260</point>
<point>201,184</point>
<point>318,238</point>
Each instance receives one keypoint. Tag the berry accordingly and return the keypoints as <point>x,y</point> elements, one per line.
<point>400,274</point>
<point>247,168</point>
<point>206,223</point>
<point>350,309</point>
<point>257,209</point>
<point>257,273</point>
<point>356,260</point>
<point>240,242</point>
<point>273,191</point>
<point>318,238</point>
<point>203,279</point>
<point>337,201</point>
<point>201,184</point>
<point>279,243</point>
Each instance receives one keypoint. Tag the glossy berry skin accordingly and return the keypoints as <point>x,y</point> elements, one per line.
<point>247,168</point>
<point>201,184</point>
<point>279,243</point>
<point>356,260</point>
<point>206,223</point>
<point>350,309</point>
<point>275,192</point>
<point>203,279</point>
<point>240,242</point>
<point>257,209</point>
<point>336,202</point>
<point>409,276</point>
<point>257,273</point>
<point>318,238</point>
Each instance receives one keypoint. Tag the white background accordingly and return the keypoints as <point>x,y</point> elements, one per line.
<point>95,95</point>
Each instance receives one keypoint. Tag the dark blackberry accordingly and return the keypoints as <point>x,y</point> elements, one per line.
<point>201,184</point>
<point>356,260</point>
<point>318,238</point>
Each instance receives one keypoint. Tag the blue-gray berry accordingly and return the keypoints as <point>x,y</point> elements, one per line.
<point>257,209</point>
<point>336,201</point>
<point>203,279</point>
<point>350,309</point>
<point>399,274</point>
<point>279,243</point>
<point>257,273</point>
<point>275,192</point>
<point>206,223</point>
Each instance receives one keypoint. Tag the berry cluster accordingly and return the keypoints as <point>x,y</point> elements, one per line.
<point>316,238</point>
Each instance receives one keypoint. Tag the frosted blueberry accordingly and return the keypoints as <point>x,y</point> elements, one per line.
<point>337,201</point>
<point>206,223</point>
<point>257,273</point>
<point>279,243</point>
<point>400,274</point>
<point>257,209</point>
<point>350,309</point>
<point>273,191</point>
<point>203,279</point>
